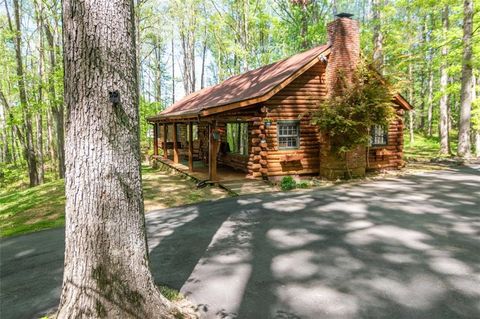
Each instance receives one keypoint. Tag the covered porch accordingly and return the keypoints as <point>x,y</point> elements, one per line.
<point>233,181</point>
<point>214,149</point>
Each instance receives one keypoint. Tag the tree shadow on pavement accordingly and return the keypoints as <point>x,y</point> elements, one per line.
<point>402,248</point>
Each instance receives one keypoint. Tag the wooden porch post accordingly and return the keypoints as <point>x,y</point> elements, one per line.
<point>212,154</point>
<point>155,139</point>
<point>190,146</point>
<point>175,145</point>
<point>165,150</point>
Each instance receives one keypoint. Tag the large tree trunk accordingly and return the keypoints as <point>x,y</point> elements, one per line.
<point>106,272</point>
<point>28,146</point>
<point>443,127</point>
<point>467,83</point>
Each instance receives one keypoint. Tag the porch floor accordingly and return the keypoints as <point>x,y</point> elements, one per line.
<point>232,180</point>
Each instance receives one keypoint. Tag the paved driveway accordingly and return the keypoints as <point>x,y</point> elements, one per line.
<point>396,248</point>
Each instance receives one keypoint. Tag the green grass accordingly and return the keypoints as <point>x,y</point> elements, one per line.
<point>425,147</point>
<point>170,293</point>
<point>25,210</point>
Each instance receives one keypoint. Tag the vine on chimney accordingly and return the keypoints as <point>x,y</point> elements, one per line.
<point>346,116</point>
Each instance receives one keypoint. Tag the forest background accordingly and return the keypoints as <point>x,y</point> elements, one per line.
<point>184,46</point>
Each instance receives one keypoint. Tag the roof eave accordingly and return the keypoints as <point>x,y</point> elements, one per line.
<point>401,101</point>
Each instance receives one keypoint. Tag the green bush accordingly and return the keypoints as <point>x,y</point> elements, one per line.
<point>287,183</point>
<point>303,184</point>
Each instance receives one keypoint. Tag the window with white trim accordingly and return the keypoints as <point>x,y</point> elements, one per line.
<point>288,134</point>
<point>379,135</point>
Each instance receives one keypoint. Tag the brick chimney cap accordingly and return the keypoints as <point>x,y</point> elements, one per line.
<point>344,15</point>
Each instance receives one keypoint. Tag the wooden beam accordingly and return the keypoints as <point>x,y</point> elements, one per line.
<point>165,150</point>
<point>155,139</point>
<point>175,144</point>
<point>190,147</point>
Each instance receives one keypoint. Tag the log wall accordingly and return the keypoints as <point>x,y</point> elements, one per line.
<point>389,156</point>
<point>296,100</point>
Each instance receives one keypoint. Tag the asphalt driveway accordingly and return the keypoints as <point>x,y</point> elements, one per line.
<point>397,248</point>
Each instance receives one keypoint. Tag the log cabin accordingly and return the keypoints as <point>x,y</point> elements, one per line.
<point>257,122</point>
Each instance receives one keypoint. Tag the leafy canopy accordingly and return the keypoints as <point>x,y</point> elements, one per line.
<point>347,116</point>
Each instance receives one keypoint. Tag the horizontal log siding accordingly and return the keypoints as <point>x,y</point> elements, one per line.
<point>394,160</point>
<point>298,98</point>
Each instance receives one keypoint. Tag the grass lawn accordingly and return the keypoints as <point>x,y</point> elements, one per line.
<point>24,210</point>
<point>425,148</point>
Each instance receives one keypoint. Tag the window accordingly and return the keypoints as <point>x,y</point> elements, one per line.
<point>237,138</point>
<point>288,134</point>
<point>379,135</point>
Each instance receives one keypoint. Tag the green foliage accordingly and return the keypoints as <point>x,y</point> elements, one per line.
<point>346,118</point>
<point>303,184</point>
<point>287,183</point>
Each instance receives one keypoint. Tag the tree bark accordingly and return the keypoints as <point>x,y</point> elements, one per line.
<point>467,83</point>
<point>56,107</point>
<point>204,54</point>
<point>377,36</point>
<point>173,71</point>
<point>443,127</point>
<point>106,271</point>
<point>6,157</point>
<point>39,116</point>
<point>411,113</point>
<point>41,166</point>
<point>430,103</point>
<point>476,132</point>
<point>28,146</point>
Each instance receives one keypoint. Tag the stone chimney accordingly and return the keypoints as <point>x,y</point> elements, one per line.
<point>344,38</point>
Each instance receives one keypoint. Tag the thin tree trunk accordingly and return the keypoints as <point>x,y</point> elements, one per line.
<point>106,269</point>
<point>158,71</point>
<point>411,113</point>
<point>15,132</point>
<point>50,147</point>
<point>39,117</point>
<point>443,127</point>
<point>41,166</point>
<point>6,158</point>
<point>377,36</point>
<point>477,130</point>
<point>430,103</point>
<point>173,71</point>
<point>29,150</point>
<point>467,83</point>
<point>56,108</point>
<point>204,54</point>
